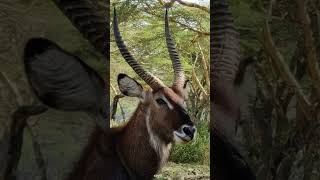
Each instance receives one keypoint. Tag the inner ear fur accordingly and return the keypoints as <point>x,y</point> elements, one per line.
<point>129,86</point>
<point>61,80</point>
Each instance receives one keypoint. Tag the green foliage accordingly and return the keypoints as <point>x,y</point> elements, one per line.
<point>197,152</point>
<point>248,19</point>
<point>141,24</point>
<point>142,27</point>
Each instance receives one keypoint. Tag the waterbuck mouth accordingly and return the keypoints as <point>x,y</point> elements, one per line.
<point>184,135</point>
<point>181,139</point>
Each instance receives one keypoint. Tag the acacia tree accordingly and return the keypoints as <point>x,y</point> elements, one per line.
<point>142,25</point>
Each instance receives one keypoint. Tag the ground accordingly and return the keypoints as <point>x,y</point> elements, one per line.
<point>173,171</point>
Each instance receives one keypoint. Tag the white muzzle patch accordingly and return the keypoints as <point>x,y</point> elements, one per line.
<point>185,134</point>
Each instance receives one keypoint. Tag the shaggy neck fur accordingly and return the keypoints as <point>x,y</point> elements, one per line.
<point>142,151</point>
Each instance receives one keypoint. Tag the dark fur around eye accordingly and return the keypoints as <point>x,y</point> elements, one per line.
<point>161,101</point>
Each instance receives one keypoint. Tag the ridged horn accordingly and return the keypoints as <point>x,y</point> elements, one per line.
<point>92,25</point>
<point>225,109</point>
<point>151,80</point>
<point>224,43</point>
<point>179,78</point>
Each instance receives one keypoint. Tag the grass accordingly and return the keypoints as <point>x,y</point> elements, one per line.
<point>183,171</point>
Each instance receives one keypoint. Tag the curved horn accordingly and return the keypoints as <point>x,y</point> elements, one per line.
<point>151,80</point>
<point>88,21</point>
<point>225,109</point>
<point>176,64</point>
<point>224,43</point>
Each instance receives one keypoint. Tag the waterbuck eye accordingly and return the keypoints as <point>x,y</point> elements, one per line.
<point>161,101</point>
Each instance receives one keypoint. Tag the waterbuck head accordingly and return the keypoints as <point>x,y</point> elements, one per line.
<point>165,107</point>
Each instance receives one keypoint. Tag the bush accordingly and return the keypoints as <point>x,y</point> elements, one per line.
<point>197,152</point>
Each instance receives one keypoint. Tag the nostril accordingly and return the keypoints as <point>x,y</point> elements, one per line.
<point>188,130</point>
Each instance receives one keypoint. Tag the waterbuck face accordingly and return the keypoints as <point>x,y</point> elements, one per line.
<point>166,110</point>
<point>165,107</point>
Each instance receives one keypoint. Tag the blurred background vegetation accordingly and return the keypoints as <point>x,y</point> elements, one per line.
<point>279,127</point>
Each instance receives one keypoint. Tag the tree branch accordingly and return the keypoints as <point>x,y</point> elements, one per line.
<point>205,67</point>
<point>194,5</point>
<point>180,23</point>
<point>196,80</point>
<point>310,48</point>
<point>283,70</point>
<point>115,104</point>
<point>19,119</point>
<point>184,3</point>
<point>15,135</point>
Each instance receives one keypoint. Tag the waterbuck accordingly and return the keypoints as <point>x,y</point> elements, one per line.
<point>138,149</point>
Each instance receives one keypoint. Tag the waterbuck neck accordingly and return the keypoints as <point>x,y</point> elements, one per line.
<point>142,151</point>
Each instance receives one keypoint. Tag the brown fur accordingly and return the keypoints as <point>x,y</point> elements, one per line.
<point>225,109</point>
<point>126,152</point>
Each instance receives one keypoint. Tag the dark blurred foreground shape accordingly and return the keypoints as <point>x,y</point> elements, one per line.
<point>226,161</point>
<point>279,125</point>
<point>61,81</point>
<point>58,79</point>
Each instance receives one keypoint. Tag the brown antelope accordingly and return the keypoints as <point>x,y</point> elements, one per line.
<point>138,149</point>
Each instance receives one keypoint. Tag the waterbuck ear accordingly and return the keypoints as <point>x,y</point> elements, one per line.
<point>61,80</point>
<point>129,86</point>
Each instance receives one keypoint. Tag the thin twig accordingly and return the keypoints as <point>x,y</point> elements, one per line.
<point>115,104</point>
<point>205,67</point>
<point>196,80</point>
<point>14,89</point>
